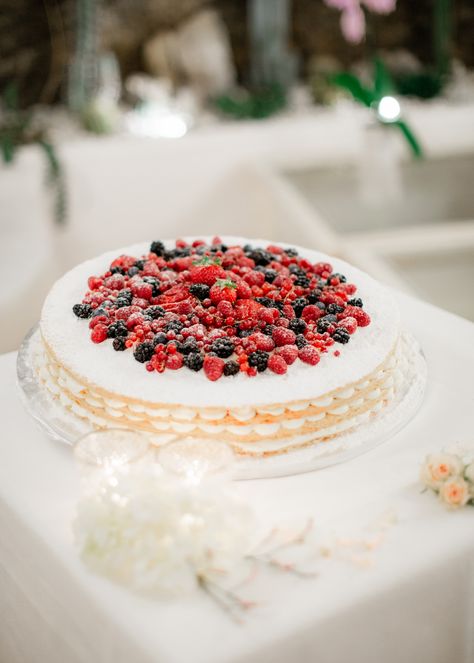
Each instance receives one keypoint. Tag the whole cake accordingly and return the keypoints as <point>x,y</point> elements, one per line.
<point>267,347</point>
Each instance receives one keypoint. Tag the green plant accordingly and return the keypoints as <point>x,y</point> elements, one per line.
<point>371,96</point>
<point>16,130</point>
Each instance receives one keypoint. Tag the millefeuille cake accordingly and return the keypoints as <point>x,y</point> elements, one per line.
<point>266,347</point>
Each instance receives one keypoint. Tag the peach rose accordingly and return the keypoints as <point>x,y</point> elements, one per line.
<point>438,468</point>
<point>455,492</point>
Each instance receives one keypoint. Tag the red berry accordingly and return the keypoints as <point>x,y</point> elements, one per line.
<point>174,361</point>
<point>309,355</point>
<point>223,290</point>
<point>213,367</point>
<point>99,333</point>
<point>142,290</point>
<point>94,282</point>
<point>363,318</point>
<point>283,336</point>
<point>349,324</point>
<point>225,308</point>
<point>262,342</point>
<point>243,290</point>
<point>134,320</point>
<point>277,364</point>
<point>288,352</point>
<point>207,273</point>
<point>311,312</point>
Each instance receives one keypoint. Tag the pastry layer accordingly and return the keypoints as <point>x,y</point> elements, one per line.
<point>261,430</point>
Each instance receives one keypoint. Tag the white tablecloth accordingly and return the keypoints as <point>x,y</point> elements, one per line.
<point>415,604</point>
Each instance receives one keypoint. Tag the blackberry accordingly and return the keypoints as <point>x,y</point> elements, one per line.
<point>157,248</point>
<point>302,282</point>
<point>356,301</point>
<point>160,339</point>
<point>297,271</point>
<point>298,306</point>
<point>334,308</point>
<point>120,302</point>
<point>260,256</point>
<point>265,301</point>
<point>300,341</point>
<point>201,249</point>
<point>173,325</point>
<point>243,333</point>
<point>231,368</point>
<point>297,325</point>
<point>99,311</point>
<point>119,344</point>
<point>218,247</point>
<point>117,270</point>
<point>313,296</point>
<point>268,330</point>
<point>270,275</point>
<point>82,310</point>
<point>144,352</point>
<point>139,264</point>
<point>325,323</point>
<point>223,347</point>
<point>278,305</point>
<point>291,253</point>
<point>133,271</point>
<point>341,336</point>
<point>189,345</point>
<point>200,290</point>
<point>126,293</point>
<point>336,275</point>
<point>155,285</point>
<point>117,329</point>
<point>259,359</point>
<point>194,361</point>
<point>155,312</point>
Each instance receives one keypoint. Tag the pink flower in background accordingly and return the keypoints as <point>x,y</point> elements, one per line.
<point>353,18</point>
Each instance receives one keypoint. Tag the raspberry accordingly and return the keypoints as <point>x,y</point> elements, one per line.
<point>277,364</point>
<point>311,312</point>
<point>94,282</point>
<point>174,361</point>
<point>288,352</point>
<point>349,324</point>
<point>254,278</point>
<point>363,318</point>
<point>134,320</point>
<point>262,342</point>
<point>99,333</point>
<point>309,355</point>
<point>243,290</point>
<point>143,290</point>
<point>283,336</point>
<point>213,367</point>
<point>225,308</point>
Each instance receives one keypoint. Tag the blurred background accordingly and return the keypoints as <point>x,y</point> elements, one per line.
<point>342,125</point>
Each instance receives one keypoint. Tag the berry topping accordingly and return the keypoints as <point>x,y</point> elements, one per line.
<point>229,309</point>
<point>309,355</point>
<point>213,367</point>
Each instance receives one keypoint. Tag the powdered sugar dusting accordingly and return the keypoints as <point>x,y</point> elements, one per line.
<point>119,373</point>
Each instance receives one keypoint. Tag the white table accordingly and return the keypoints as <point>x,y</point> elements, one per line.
<point>416,604</point>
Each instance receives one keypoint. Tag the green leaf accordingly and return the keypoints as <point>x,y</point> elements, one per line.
<point>352,84</point>
<point>383,83</point>
<point>410,138</point>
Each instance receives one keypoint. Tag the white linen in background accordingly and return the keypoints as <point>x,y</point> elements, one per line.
<point>416,604</point>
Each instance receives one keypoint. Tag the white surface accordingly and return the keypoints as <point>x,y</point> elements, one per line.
<point>415,605</point>
<point>119,373</point>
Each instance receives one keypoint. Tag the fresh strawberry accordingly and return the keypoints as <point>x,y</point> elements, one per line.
<point>213,367</point>
<point>207,271</point>
<point>223,290</point>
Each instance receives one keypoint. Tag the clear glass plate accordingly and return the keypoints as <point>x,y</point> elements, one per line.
<point>63,426</point>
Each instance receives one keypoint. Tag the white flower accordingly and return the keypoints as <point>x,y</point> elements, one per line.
<point>455,492</point>
<point>438,468</point>
<point>156,535</point>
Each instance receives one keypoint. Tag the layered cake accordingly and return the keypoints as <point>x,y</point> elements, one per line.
<point>267,347</point>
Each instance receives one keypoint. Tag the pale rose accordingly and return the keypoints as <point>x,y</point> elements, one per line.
<point>438,468</point>
<point>455,492</point>
<point>469,472</point>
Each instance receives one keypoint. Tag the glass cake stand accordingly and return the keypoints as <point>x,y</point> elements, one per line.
<point>65,427</point>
